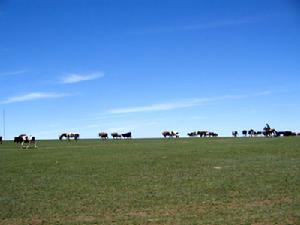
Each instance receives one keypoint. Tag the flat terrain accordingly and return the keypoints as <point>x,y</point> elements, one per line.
<point>152,181</point>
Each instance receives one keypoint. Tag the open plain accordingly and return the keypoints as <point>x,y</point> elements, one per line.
<point>152,181</point>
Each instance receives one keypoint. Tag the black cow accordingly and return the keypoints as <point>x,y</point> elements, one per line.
<point>212,134</point>
<point>244,132</point>
<point>192,134</point>
<point>202,133</point>
<point>235,133</point>
<point>251,133</point>
<point>103,135</point>
<point>166,134</point>
<point>127,135</point>
<point>285,133</point>
<point>68,136</point>
<point>0,140</point>
<point>18,139</point>
<point>115,135</point>
<point>258,133</point>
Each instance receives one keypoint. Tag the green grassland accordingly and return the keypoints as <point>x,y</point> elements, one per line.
<point>152,181</point>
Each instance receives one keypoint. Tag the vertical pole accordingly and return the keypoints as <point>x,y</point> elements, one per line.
<point>3,124</point>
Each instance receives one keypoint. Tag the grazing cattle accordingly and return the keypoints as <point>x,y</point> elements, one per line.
<point>251,133</point>
<point>175,134</point>
<point>68,136</point>
<point>103,135</point>
<point>127,135</point>
<point>235,133</point>
<point>285,133</point>
<point>18,140</point>
<point>212,134</point>
<point>26,141</point>
<point>244,132</point>
<point>116,135</point>
<point>202,133</point>
<point>170,134</point>
<point>0,140</point>
<point>166,134</point>
<point>192,134</point>
<point>258,133</point>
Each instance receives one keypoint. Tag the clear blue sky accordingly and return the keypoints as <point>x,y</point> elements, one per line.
<point>148,65</point>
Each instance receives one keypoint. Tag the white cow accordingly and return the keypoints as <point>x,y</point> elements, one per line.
<point>27,141</point>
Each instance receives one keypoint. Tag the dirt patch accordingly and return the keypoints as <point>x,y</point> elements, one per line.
<point>80,218</point>
<point>138,214</point>
<point>13,221</point>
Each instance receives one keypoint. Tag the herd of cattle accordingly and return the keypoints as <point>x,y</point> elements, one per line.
<point>202,134</point>
<point>274,133</point>
<point>115,135</point>
<point>27,141</point>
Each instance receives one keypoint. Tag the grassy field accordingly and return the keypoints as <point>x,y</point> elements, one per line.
<point>152,181</point>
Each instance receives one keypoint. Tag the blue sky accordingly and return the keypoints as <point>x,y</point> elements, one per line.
<point>148,65</point>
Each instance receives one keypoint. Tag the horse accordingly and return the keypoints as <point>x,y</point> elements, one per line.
<point>116,135</point>
<point>235,133</point>
<point>103,135</point>
<point>69,135</point>
<point>268,131</point>
<point>127,135</point>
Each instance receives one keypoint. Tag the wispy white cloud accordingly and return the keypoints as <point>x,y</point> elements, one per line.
<point>267,92</point>
<point>11,73</point>
<point>201,26</point>
<point>33,96</point>
<point>187,103</point>
<point>76,78</point>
